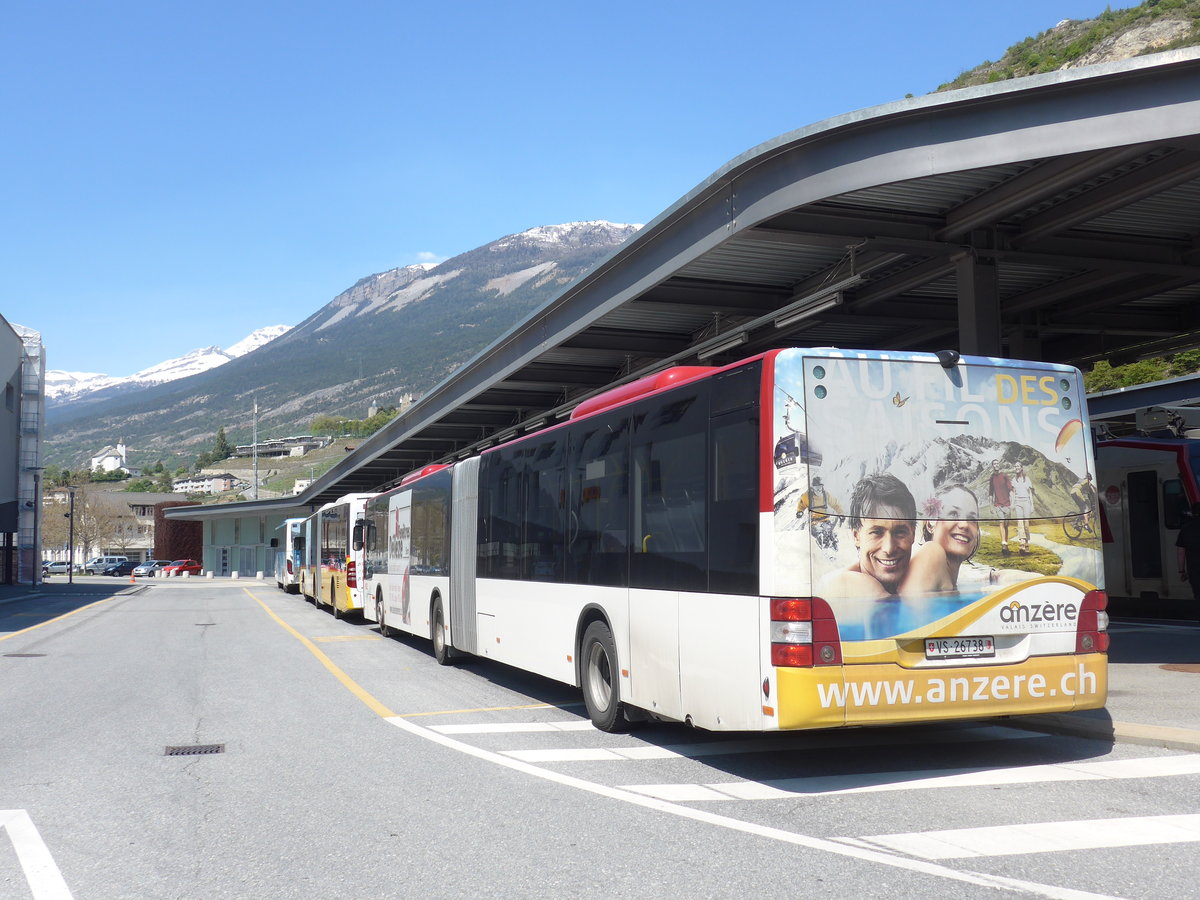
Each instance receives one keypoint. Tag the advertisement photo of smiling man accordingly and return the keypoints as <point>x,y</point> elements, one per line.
<point>883,524</point>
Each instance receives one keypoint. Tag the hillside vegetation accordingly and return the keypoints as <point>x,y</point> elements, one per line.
<point>1151,27</point>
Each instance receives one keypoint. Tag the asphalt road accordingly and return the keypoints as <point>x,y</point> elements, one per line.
<point>351,765</point>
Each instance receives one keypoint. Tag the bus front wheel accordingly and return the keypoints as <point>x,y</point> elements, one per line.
<point>600,679</point>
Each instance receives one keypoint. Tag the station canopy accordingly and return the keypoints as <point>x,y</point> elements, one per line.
<point>1055,217</point>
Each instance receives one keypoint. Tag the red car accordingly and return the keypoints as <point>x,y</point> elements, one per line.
<point>182,565</point>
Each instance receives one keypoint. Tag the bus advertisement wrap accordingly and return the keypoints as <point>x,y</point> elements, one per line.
<point>935,501</point>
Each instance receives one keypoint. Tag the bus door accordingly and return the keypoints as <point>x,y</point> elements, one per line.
<point>1143,523</point>
<point>1155,502</point>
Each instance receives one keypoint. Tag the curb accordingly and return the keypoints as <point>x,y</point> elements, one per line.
<point>1115,732</point>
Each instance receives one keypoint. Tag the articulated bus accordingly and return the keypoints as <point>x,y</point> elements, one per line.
<point>333,555</point>
<point>289,556</point>
<point>808,538</point>
<point>1146,487</point>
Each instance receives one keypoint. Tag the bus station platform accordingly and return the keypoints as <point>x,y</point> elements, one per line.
<point>1153,688</point>
<point>1153,678</point>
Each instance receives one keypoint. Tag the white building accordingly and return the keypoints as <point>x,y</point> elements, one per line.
<point>204,484</point>
<point>110,459</point>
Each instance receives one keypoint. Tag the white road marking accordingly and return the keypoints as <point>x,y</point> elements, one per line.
<point>871,782</point>
<point>44,878</point>
<point>865,854</point>
<point>1042,837</point>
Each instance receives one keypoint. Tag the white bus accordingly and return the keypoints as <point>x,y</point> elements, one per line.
<point>660,551</point>
<point>289,555</point>
<point>1147,486</point>
<point>333,559</point>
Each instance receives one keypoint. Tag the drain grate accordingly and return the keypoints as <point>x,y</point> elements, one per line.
<point>24,655</point>
<point>195,750</point>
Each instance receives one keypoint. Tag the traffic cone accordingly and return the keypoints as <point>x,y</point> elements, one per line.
<point>132,580</point>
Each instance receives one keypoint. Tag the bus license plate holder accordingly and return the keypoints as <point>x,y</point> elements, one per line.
<point>972,647</point>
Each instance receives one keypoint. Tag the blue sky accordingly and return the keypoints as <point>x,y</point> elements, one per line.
<point>178,175</point>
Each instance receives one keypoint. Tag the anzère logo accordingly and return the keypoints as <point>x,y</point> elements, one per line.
<point>1017,612</point>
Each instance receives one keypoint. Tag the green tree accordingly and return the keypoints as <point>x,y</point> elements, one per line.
<point>222,449</point>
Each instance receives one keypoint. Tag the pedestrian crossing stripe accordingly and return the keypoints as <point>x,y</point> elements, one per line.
<point>871,782</point>
<point>1039,837</point>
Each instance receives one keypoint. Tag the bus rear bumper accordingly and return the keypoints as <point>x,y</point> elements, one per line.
<point>876,694</point>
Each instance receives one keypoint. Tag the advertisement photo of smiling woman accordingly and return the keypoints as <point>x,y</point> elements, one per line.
<point>951,538</point>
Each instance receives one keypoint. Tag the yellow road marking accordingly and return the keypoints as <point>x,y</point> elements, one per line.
<point>337,638</point>
<point>55,619</point>
<point>349,683</point>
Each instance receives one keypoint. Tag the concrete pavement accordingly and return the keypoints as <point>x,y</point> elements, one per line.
<point>1153,680</point>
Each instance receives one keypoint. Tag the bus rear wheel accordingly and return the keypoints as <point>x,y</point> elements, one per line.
<point>600,679</point>
<point>379,613</point>
<point>441,650</point>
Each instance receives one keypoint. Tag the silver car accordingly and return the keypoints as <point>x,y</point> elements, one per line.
<point>150,567</point>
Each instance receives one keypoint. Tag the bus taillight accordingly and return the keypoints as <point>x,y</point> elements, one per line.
<point>1091,632</point>
<point>289,567</point>
<point>351,574</point>
<point>804,632</point>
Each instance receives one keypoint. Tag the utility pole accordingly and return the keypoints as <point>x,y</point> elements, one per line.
<point>71,537</point>
<point>255,448</point>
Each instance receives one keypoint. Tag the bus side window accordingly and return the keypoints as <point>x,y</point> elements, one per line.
<point>543,549</point>
<point>1174,503</point>
<point>598,509</point>
<point>733,509</point>
<point>670,527</point>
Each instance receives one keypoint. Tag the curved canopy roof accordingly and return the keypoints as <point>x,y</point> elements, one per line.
<point>1055,217</point>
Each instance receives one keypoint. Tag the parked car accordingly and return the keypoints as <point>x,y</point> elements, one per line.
<point>179,566</point>
<point>121,568</point>
<point>151,567</point>
<point>60,567</point>
<point>98,564</point>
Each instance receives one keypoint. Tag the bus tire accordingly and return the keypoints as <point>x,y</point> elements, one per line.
<point>599,676</point>
<point>379,613</point>
<point>437,633</point>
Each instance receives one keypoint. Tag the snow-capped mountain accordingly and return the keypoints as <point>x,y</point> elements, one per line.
<point>389,336</point>
<point>256,339</point>
<point>63,387</point>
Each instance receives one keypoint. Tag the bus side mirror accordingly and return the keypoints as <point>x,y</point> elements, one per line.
<point>358,545</point>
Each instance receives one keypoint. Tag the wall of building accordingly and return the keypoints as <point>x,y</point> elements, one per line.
<point>241,545</point>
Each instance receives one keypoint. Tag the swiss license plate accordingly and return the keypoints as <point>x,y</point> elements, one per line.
<point>960,647</point>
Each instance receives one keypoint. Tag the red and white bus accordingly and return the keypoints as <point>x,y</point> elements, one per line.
<point>659,550</point>
<point>333,555</point>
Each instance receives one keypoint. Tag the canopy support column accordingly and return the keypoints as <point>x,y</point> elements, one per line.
<point>978,306</point>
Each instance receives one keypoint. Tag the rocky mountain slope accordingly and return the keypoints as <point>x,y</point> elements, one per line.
<point>390,335</point>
